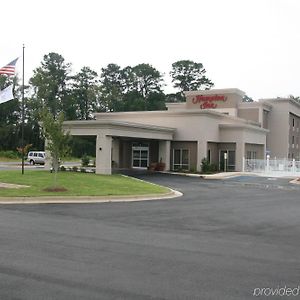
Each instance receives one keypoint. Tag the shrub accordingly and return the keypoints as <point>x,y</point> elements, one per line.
<point>75,169</point>
<point>206,167</point>
<point>9,154</point>
<point>85,160</point>
<point>160,166</point>
<point>63,169</point>
<point>82,170</point>
<point>152,166</point>
<point>193,170</point>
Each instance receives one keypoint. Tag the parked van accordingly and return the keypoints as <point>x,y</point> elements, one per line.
<point>36,157</point>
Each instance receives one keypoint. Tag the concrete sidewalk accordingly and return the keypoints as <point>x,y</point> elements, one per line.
<point>226,175</point>
<point>222,175</point>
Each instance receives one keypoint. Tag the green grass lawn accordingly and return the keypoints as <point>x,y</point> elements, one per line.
<point>6,159</point>
<point>77,184</point>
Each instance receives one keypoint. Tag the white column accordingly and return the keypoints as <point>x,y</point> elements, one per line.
<point>239,155</point>
<point>103,154</point>
<point>164,153</point>
<point>116,152</point>
<point>201,153</point>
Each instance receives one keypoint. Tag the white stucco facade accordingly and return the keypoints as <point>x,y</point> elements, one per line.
<point>207,125</point>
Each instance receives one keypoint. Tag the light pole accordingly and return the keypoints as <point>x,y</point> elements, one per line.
<point>22,128</point>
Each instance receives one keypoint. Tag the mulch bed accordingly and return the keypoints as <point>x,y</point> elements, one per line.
<point>55,189</point>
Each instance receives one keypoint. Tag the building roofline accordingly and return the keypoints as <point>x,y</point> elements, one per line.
<point>113,123</point>
<point>255,104</point>
<point>270,100</point>
<point>216,91</point>
<point>160,112</point>
<point>243,126</point>
<point>179,112</point>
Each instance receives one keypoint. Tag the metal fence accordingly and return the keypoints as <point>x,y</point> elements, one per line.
<point>272,166</point>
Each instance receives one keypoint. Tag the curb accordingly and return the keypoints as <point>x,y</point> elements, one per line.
<point>182,174</point>
<point>207,176</point>
<point>88,199</point>
<point>295,181</point>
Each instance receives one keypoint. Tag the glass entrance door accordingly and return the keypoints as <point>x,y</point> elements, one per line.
<point>140,156</point>
<point>230,161</point>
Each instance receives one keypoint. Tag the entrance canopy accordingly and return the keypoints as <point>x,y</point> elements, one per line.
<point>106,130</point>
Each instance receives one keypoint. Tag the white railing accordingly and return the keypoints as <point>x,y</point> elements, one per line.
<point>271,166</point>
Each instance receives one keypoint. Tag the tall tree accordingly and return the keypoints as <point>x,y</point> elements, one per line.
<point>127,79</point>
<point>156,101</point>
<point>189,76</point>
<point>85,90</point>
<point>50,81</point>
<point>57,140</point>
<point>175,97</point>
<point>111,87</point>
<point>133,101</point>
<point>147,79</point>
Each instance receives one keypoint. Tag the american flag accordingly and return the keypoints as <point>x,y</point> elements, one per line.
<point>9,69</point>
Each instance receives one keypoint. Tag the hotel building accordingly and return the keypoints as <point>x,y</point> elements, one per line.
<point>214,124</point>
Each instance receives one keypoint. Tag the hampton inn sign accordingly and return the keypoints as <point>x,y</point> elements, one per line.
<point>208,102</point>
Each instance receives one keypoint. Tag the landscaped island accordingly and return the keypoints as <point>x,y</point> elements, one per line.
<point>75,184</point>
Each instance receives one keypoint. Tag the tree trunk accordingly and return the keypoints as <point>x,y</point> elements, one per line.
<point>55,164</point>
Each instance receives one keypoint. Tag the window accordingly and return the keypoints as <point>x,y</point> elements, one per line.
<point>140,155</point>
<point>251,155</point>
<point>248,155</point>
<point>231,160</point>
<point>181,159</point>
<point>229,163</point>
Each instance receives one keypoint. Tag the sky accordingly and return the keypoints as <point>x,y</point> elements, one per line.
<point>253,45</point>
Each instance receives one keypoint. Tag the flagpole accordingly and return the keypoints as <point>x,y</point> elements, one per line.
<point>22,139</point>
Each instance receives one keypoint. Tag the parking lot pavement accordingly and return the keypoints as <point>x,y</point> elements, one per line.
<point>240,180</point>
<point>259,179</point>
<point>18,166</point>
<point>221,240</point>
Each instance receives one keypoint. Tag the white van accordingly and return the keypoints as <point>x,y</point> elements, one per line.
<point>36,157</point>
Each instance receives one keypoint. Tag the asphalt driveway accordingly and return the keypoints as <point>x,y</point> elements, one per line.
<point>221,240</point>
